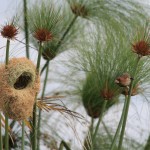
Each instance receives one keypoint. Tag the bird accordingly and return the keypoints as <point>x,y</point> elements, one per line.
<point>124,80</point>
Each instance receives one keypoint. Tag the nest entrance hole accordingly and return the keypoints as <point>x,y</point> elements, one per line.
<point>23,81</point>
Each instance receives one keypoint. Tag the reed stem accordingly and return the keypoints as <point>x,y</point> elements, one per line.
<point>7,52</point>
<point>147,146</point>
<point>91,126</point>
<point>40,112</point>
<point>6,116</point>
<point>22,137</point>
<point>63,144</point>
<point>1,139</point>
<point>119,126</point>
<point>98,123</point>
<point>34,131</point>
<point>27,55</point>
<point>26,28</point>
<point>127,106</point>
<point>107,131</point>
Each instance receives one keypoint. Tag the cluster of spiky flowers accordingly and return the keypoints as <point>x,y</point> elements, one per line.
<point>20,83</point>
<point>107,66</point>
<point>54,29</point>
<point>141,48</point>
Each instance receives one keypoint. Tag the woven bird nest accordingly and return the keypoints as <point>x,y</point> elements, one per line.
<point>19,84</point>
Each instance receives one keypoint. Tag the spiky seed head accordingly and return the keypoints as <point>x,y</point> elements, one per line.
<point>123,80</point>
<point>9,31</point>
<point>142,48</point>
<point>48,54</point>
<point>79,10</point>
<point>43,35</point>
<point>93,111</point>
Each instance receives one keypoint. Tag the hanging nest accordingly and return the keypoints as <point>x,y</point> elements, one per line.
<point>19,84</point>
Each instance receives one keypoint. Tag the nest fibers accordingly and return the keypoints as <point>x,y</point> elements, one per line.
<point>19,84</point>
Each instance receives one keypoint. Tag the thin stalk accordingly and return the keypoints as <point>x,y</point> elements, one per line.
<point>26,27</point>
<point>127,107</point>
<point>147,146</point>
<point>98,123</point>
<point>88,139</point>
<point>40,112</point>
<point>6,117</point>
<point>34,131</point>
<point>7,52</point>
<point>39,58</point>
<point>64,144</point>
<point>27,55</point>
<point>119,125</point>
<point>107,131</point>
<point>91,126</point>
<point>1,142</point>
<point>61,146</point>
<point>87,143</point>
<point>22,137</point>
<point>61,40</point>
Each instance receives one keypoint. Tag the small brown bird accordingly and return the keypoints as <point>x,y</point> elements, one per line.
<point>124,80</point>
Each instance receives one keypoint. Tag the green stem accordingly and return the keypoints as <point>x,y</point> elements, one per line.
<point>98,123</point>
<point>61,40</point>
<point>91,126</point>
<point>119,125</point>
<point>27,53</point>
<point>26,28</point>
<point>40,112</point>
<point>107,131</point>
<point>34,130</point>
<point>6,117</point>
<point>61,146</point>
<point>22,137</point>
<point>39,57</point>
<point>64,144</point>
<point>147,146</point>
<point>6,133</point>
<point>127,107</point>
<point>7,52</point>
<point>1,142</point>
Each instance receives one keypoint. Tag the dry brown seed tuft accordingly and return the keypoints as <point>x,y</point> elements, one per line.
<point>9,31</point>
<point>142,48</point>
<point>43,35</point>
<point>79,10</point>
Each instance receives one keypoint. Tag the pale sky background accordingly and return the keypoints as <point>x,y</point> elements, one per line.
<point>139,116</point>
